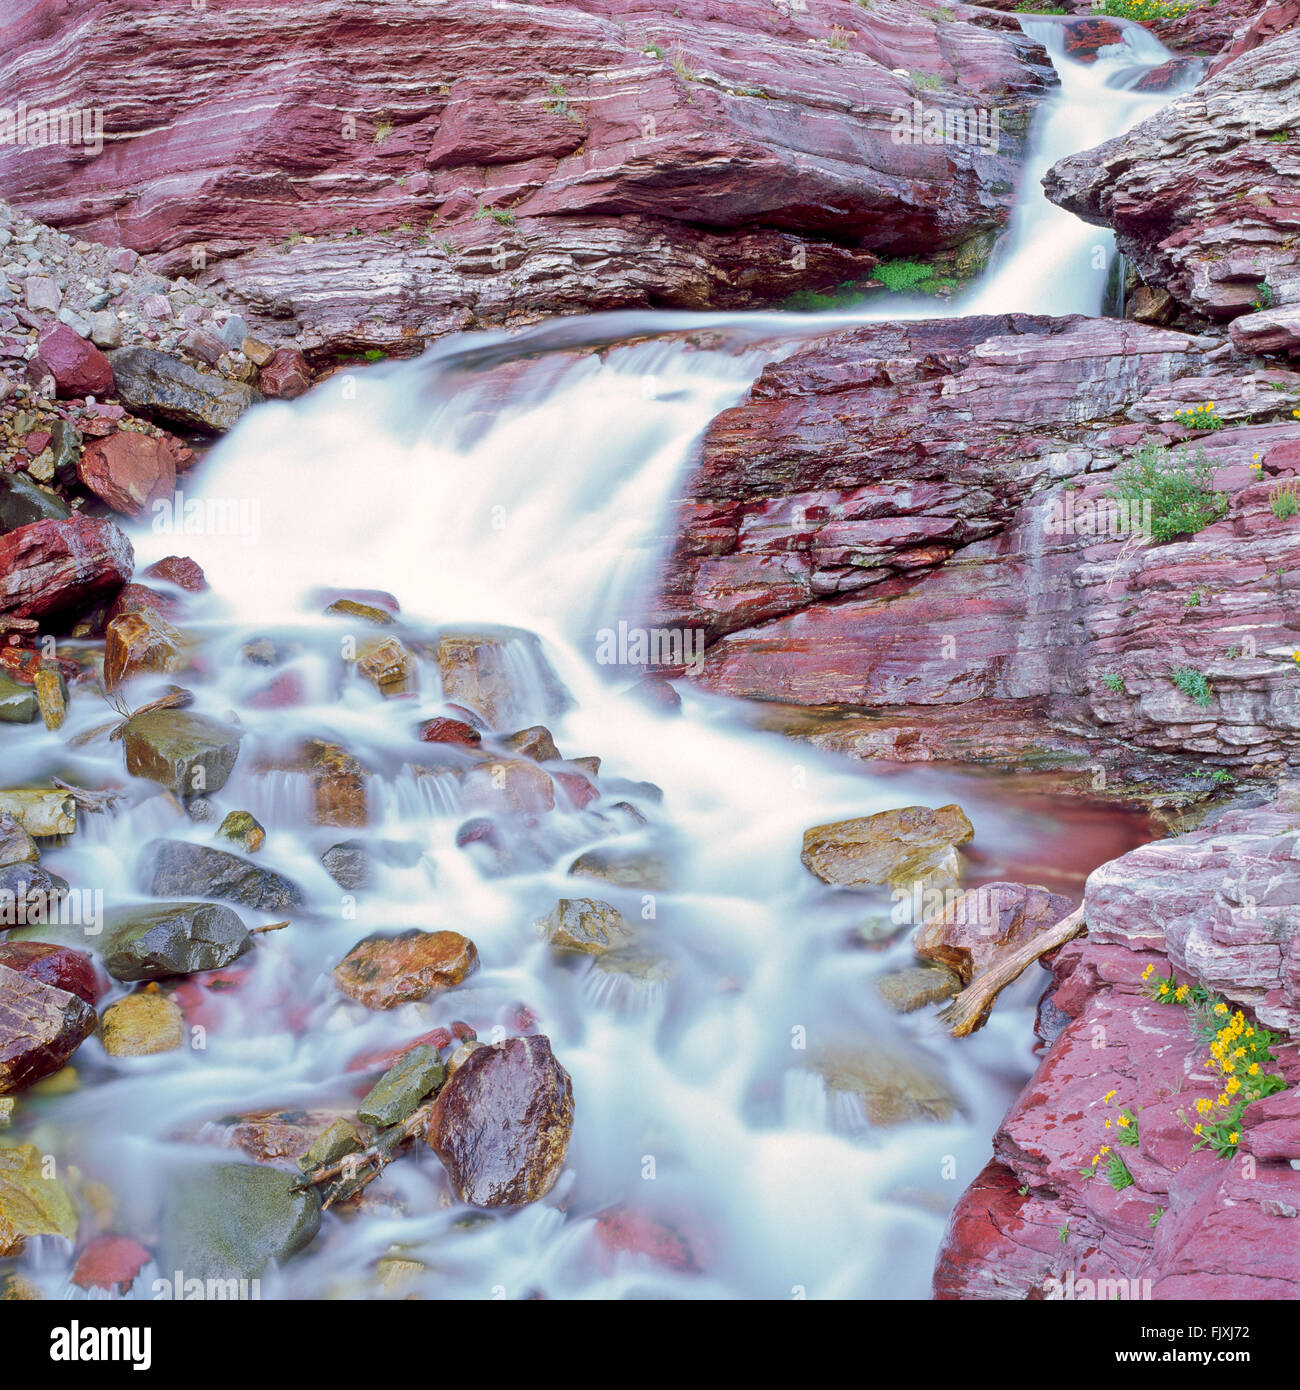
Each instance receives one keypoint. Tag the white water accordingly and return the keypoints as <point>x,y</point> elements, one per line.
<point>479,487</point>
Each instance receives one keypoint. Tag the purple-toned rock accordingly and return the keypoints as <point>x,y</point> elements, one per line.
<point>77,366</point>
<point>40,1028</point>
<point>286,375</point>
<point>57,966</point>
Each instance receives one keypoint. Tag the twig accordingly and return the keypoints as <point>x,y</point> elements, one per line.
<point>88,800</point>
<point>274,926</point>
<point>970,1009</point>
<point>178,699</point>
<point>381,1153</point>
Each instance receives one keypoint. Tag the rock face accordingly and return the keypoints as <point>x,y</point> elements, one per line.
<point>41,1026</point>
<point>501,1124</point>
<point>56,568</point>
<point>178,868</point>
<point>382,972</point>
<point>1221,1228</point>
<point>914,844</point>
<point>1172,188</point>
<point>583,155</point>
<point>155,940</point>
<point>966,590</point>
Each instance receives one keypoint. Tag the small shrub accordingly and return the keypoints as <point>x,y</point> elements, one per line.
<point>383,129</point>
<point>1113,681</point>
<point>838,38</point>
<point>1284,501</point>
<point>1180,491</point>
<point>926,81</point>
<point>681,68</point>
<point>1264,300</point>
<point>1199,417</point>
<point>1192,683</point>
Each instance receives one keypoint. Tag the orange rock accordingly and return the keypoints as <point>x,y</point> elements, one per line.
<point>382,972</point>
<point>138,642</point>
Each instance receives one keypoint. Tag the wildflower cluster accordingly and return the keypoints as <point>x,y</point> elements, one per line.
<point>1199,417</point>
<point>1122,1127</point>
<point>1240,1054</point>
<point>1144,11</point>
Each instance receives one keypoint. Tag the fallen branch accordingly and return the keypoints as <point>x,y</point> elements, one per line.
<point>178,699</point>
<point>88,800</point>
<point>374,1160</point>
<point>970,1009</point>
<point>274,926</point>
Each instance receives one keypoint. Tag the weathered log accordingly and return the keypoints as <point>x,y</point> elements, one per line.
<point>970,1009</point>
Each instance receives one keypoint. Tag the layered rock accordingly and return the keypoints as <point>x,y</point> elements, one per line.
<point>436,166</point>
<point>1202,194</point>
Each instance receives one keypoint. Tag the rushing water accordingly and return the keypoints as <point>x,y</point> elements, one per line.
<point>508,480</point>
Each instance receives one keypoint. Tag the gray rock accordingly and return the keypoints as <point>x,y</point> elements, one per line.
<point>402,1087</point>
<point>152,383</point>
<point>182,751</point>
<point>105,328</point>
<point>43,295</point>
<point>234,331</point>
<point>231,1220</point>
<point>585,925</point>
<point>18,703</point>
<point>177,868</point>
<point>915,986</point>
<point>153,940</point>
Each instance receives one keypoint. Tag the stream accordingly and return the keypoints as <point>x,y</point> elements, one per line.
<point>524,482</point>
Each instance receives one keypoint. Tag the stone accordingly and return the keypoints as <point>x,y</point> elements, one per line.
<point>367,612</point>
<point>286,376</point>
<point>242,829</point>
<point>350,865</point>
<point>649,869</point>
<point>183,751</point>
<point>105,329</point>
<point>454,731</point>
<point>43,295</point>
<point>51,696</point>
<point>180,570</point>
<point>129,471</point>
<point>535,743</point>
<point>140,642</point>
<point>41,813</point>
<point>61,568</point>
<point>398,1093</point>
<point>482,672</point>
<point>902,847</point>
<point>180,868</point>
<point>151,383</point>
<point>257,352</point>
<point>41,1026</point>
<point>389,667</point>
<point>32,1202</point>
<point>60,967</point>
<point>585,925</point>
<point>334,1143</point>
<point>384,971</point>
<point>16,844</point>
<point>18,703</point>
<point>78,367</point>
<point>501,1124</point>
<point>22,502</point>
<point>112,1263</point>
<point>915,986</point>
<point>892,1088</point>
<point>154,940</point>
<point>142,1025</point>
<point>978,929</point>
<point>510,785</point>
<point>232,1220</point>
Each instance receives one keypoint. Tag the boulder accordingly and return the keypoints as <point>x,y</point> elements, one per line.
<point>32,1202</point>
<point>915,986</point>
<point>58,966</point>
<point>184,751</point>
<point>650,868</point>
<point>286,375</point>
<point>585,925</point>
<point>454,731</point>
<point>128,471</point>
<point>982,926</point>
<point>397,1094</point>
<point>511,785</point>
<point>22,502</point>
<point>138,642</point>
<point>180,570</point>
<point>141,1025</point>
<point>900,848</point>
<point>59,568</point>
<point>501,675</point>
<point>77,366</point>
<point>18,703</point>
<point>40,812</point>
<point>151,383</point>
<point>179,868</point>
<point>41,1026</point>
<point>111,1263</point>
<point>16,844</point>
<point>502,1122</point>
<point>890,1087</point>
<point>384,971</point>
<point>155,940</point>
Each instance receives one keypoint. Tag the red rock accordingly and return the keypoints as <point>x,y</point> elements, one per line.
<point>281,692</point>
<point>180,570</point>
<point>40,1028</point>
<point>577,789</point>
<point>987,923</point>
<point>630,1231</point>
<point>449,731</point>
<point>110,1262</point>
<point>502,1122</point>
<point>77,366</point>
<point>1085,37</point>
<point>383,971</point>
<point>384,1058</point>
<point>514,785</point>
<point>128,471</point>
<point>61,967</point>
<point>286,375</point>
<point>62,567</point>
<point>140,598</point>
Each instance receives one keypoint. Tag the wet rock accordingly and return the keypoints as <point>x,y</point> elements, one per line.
<point>129,471</point>
<point>244,830</point>
<point>57,966</point>
<point>183,751</point>
<point>231,1220</point>
<point>180,570</point>
<point>350,865</point>
<point>487,672</point>
<point>981,926</point>
<point>178,868</point>
<point>78,367</point>
<point>51,696</point>
<point>657,693</point>
<point>154,940</point>
<point>639,963</point>
<point>339,783</point>
<point>334,1143</point>
<point>141,1025</point>
<point>367,612</point>
<point>454,731</point>
<point>40,813</point>
<point>18,704</point>
<point>32,1202</point>
<point>29,895</point>
<point>513,785</point>
<point>16,845</point>
<point>535,743</point>
<point>40,1028</point>
<point>650,869</point>
<point>138,642</point>
<point>383,971</point>
<point>585,925</point>
<point>54,568</point>
<point>286,376</point>
<point>389,667</point>
<point>903,847</point>
<point>22,502</point>
<point>890,1087</point>
<point>501,1124</point>
<point>915,986</point>
<point>283,1136</point>
<point>152,383</point>
<point>140,598</point>
<point>398,1093</point>
<point>110,1262</point>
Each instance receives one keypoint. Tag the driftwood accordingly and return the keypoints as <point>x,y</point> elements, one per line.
<point>970,1009</point>
<point>178,699</point>
<point>353,1171</point>
<point>88,800</point>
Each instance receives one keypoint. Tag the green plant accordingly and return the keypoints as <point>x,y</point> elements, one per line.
<point>1154,1219</point>
<point>681,69</point>
<point>1222,777</point>
<point>502,215</point>
<point>1063,1233</point>
<point>1284,500</point>
<point>383,129</point>
<point>1034,7</point>
<point>1143,10</point>
<point>1264,300</point>
<point>559,104</point>
<point>653,50</point>
<point>926,81</point>
<point>1280,136</point>
<point>1193,600</point>
<point>1180,491</point>
<point>1117,1173</point>
<point>374,354</point>
<point>898,276</point>
<point>1200,417</point>
<point>838,38</point>
<point>1192,683</point>
<point>1112,680</point>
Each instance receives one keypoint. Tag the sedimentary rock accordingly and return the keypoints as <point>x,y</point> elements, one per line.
<point>57,568</point>
<point>41,1026</point>
<point>180,868</point>
<point>184,751</point>
<point>584,925</point>
<point>128,471</point>
<point>891,847</point>
<point>973,932</point>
